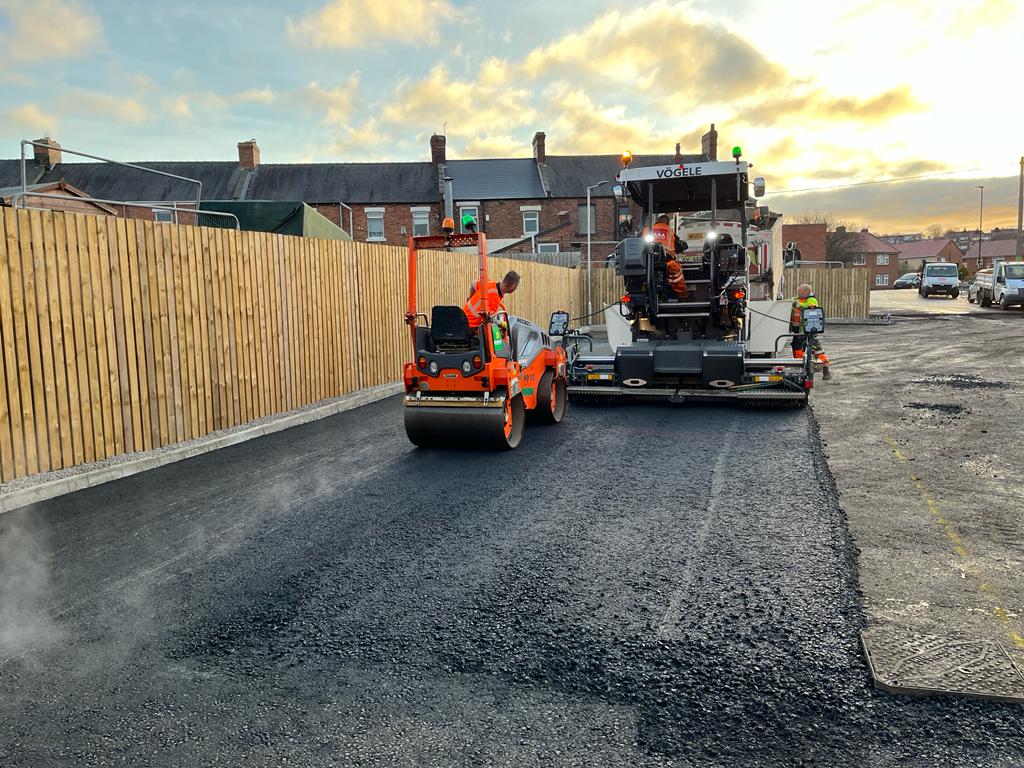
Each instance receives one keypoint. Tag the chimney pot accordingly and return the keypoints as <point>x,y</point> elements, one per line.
<point>437,149</point>
<point>49,155</point>
<point>539,152</point>
<point>248,154</point>
<point>709,144</point>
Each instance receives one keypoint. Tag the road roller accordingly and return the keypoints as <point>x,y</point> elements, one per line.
<point>476,387</point>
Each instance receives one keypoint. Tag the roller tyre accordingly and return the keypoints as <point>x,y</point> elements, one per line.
<point>551,400</point>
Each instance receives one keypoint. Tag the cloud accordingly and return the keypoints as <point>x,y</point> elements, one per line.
<point>178,107</point>
<point>496,146</point>
<point>259,95</point>
<point>911,205</point>
<point>37,30</point>
<point>30,117</point>
<point>356,23</point>
<point>581,126</point>
<point>817,105</point>
<point>471,108</point>
<point>669,48</point>
<point>125,109</point>
<point>335,100</point>
<point>975,17</point>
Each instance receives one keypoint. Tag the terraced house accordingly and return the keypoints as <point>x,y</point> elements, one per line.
<point>526,204</point>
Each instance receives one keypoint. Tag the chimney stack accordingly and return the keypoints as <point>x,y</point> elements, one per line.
<point>437,149</point>
<point>248,154</point>
<point>49,155</point>
<point>539,153</point>
<point>709,144</point>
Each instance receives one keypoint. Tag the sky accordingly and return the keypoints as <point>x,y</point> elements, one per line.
<point>820,95</point>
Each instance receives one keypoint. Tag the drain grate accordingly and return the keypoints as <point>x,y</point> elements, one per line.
<point>928,664</point>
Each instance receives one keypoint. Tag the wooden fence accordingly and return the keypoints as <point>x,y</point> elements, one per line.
<point>123,335</point>
<point>841,292</point>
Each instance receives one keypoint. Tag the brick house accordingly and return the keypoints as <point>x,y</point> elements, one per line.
<point>867,251</point>
<point>914,253</point>
<point>811,239</point>
<point>991,250</point>
<point>518,202</point>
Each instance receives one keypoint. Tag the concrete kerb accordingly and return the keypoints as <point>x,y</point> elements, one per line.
<point>88,476</point>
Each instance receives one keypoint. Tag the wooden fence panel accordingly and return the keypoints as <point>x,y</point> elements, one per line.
<point>125,335</point>
<point>841,292</point>
<point>12,442</point>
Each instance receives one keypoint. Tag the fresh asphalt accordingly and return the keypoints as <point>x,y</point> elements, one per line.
<point>639,586</point>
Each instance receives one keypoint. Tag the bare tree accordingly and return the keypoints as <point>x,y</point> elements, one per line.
<point>841,236</point>
<point>934,231</point>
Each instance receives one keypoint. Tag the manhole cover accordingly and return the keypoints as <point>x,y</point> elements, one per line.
<point>927,664</point>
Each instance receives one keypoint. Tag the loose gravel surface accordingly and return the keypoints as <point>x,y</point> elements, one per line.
<point>923,429</point>
<point>643,586</point>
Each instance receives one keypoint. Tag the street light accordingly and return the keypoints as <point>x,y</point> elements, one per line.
<point>981,210</point>
<point>590,229</point>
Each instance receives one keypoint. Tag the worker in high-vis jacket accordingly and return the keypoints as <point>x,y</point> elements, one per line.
<point>804,300</point>
<point>663,233</point>
<point>489,300</point>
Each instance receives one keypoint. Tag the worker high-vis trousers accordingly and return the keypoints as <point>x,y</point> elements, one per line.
<point>676,280</point>
<point>799,342</point>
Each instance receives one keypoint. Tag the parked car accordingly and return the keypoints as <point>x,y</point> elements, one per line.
<point>909,280</point>
<point>939,278</point>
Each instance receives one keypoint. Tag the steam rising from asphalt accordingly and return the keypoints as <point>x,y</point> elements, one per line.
<point>25,589</point>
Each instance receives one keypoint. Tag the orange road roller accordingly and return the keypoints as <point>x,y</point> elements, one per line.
<point>476,387</point>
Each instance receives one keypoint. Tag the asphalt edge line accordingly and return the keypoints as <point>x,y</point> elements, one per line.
<point>146,461</point>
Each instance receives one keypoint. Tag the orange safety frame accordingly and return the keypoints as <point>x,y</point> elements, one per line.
<point>440,242</point>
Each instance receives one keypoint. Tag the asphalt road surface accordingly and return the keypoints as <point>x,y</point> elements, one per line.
<point>640,586</point>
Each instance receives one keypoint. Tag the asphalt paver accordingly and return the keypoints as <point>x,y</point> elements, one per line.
<point>641,585</point>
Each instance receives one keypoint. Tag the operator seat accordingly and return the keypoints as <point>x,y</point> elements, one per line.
<point>449,329</point>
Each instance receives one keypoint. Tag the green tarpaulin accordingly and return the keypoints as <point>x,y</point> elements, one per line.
<point>282,218</point>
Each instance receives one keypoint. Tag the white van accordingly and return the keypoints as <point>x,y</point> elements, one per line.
<point>939,278</point>
<point>1002,285</point>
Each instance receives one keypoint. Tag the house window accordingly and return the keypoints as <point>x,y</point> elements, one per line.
<point>860,261</point>
<point>881,280</point>
<point>164,217</point>
<point>374,223</point>
<point>548,248</point>
<point>420,222</point>
<point>472,211</point>
<point>531,222</point>
<point>585,222</point>
<point>882,260</point>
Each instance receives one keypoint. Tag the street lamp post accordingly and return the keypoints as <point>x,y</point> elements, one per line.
<point>590,229</point>
<point>981,211</point>
<point>1020,212</point>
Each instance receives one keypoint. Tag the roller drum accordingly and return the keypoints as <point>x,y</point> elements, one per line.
<point>491,428</point>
